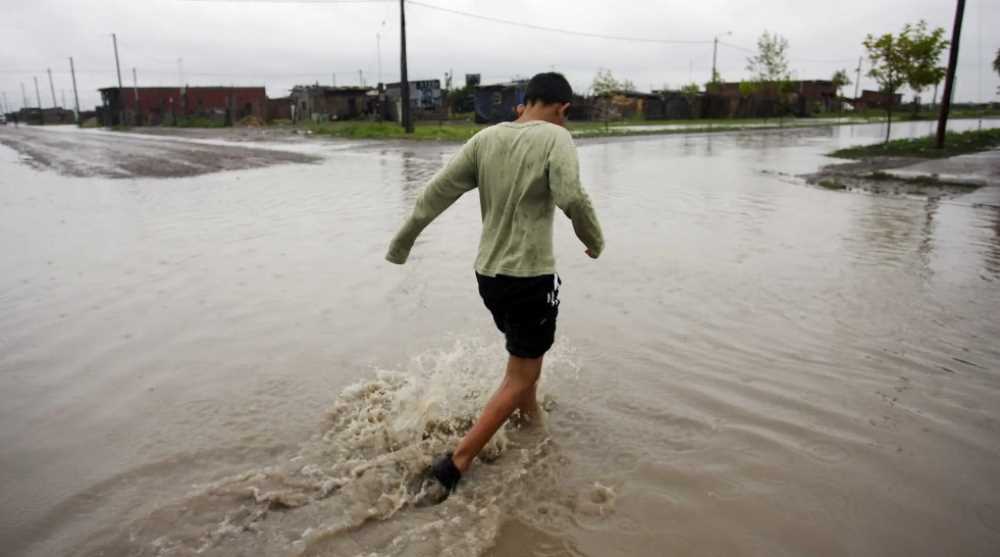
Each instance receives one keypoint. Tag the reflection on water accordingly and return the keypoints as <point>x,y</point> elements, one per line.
<point>755,366</point>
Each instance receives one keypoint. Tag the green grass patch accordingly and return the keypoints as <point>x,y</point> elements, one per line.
<point>200,122</point>
<point>460,131</point>
<point>955,143</point>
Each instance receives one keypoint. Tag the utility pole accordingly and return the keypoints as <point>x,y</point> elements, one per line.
<point>135,89</point>
<point>949,80</point>
<point>404,82</point>
<point>378,49</point>
<point>38,97</point>
<point>24,97</point>
<point>76,97</point>
<point>118,68</point>
<point>334,75</point>
<point>715,55</point>
<point>361,78</point>
<point>52,88</point>
<point>857,80</point>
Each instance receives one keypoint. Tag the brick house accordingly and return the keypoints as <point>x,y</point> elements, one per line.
<point>158,105</point>
<point>876,99</point>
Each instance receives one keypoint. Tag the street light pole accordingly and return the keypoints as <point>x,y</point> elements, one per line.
<point>715,56</point>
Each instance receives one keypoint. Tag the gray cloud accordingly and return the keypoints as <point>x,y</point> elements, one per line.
<point>279,45</point>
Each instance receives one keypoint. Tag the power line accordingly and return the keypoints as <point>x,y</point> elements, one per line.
<point>290,1</point>
<point>551,29</point>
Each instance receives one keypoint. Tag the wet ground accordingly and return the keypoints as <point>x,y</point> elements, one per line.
<point>98,153</point>
<point>223,364</point>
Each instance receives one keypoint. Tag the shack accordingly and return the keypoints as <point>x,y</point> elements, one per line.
<point>426,99</point>
<point>768,99</point>
<point>152,106</point>
<point>678,105</point>
<point>876,99</point>
<point>498,102</point>
<point>320,103</point>
<point>625,105</point>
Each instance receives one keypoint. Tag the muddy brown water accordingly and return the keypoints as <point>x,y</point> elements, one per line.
<point>224,365</point>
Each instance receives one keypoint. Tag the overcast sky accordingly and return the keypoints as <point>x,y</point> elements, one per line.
<point>278,44</point>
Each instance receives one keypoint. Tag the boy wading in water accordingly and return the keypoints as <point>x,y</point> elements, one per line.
<point>523,169</point>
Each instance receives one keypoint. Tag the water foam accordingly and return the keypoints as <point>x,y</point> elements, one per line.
<point>352,488</point>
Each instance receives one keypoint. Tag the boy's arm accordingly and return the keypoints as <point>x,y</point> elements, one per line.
<point>456,178</point>
<point>569,195</point>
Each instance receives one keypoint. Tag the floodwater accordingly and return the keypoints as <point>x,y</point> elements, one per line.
<point>223,364</point>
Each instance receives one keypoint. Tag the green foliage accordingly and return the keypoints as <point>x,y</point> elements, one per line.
<point>996,62</point>
<point>199,122</point>
<point>923,51</point>
<point>770,64</point>
<point>924,147</point>
<point>769,71</point>
<point>840,79</point>
<point>690,90</point>
<point>460,100</point>
<point>605,83</point>
<point>909,58</point>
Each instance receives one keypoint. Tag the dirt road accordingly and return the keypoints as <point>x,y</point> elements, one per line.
<point>84,153</point>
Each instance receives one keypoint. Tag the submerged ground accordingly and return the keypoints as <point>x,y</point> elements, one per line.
<point>221,363</point>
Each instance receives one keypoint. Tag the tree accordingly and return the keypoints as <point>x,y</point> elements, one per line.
<point>605,83</point>
<point>889,68</point>
<point>996,67</point>
<point>771,61</point>
<point>769,70</point>
<point>840,80</point>
<point>923,51</point>
<point>691,92</point>
<point>608,90</point>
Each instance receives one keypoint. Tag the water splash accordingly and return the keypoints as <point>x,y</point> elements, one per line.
<point>353,488</point>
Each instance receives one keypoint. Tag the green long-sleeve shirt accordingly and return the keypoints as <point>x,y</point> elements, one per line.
<point>523,171</point>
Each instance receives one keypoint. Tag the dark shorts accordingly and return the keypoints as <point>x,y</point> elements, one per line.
<point>524,309</point>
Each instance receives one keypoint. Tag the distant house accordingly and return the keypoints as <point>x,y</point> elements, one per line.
<point>875,99</point>
<point>279,109</point>
<point>38,116</point>
<point>498,102</point>
<point>678,105</point>
<point>628,105</point>
<point>156,105</point>
<point>805,98</point>
<point>322,103</point>
<point>426,98</point>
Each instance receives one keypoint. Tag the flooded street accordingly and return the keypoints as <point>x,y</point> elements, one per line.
<point>222,363</point>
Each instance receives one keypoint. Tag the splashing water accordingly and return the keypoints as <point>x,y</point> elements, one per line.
<point>355,489</point>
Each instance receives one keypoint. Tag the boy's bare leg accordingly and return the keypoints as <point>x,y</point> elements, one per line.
<point>516,392</point>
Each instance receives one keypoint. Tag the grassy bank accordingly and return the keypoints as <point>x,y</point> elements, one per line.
<point>924,147</point>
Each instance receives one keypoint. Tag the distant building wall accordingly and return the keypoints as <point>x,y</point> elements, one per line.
<point>158,105</point>
<point>322,103</point>
<point>426,98</point>
<point>498,102</point>
<point>876,99</point>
